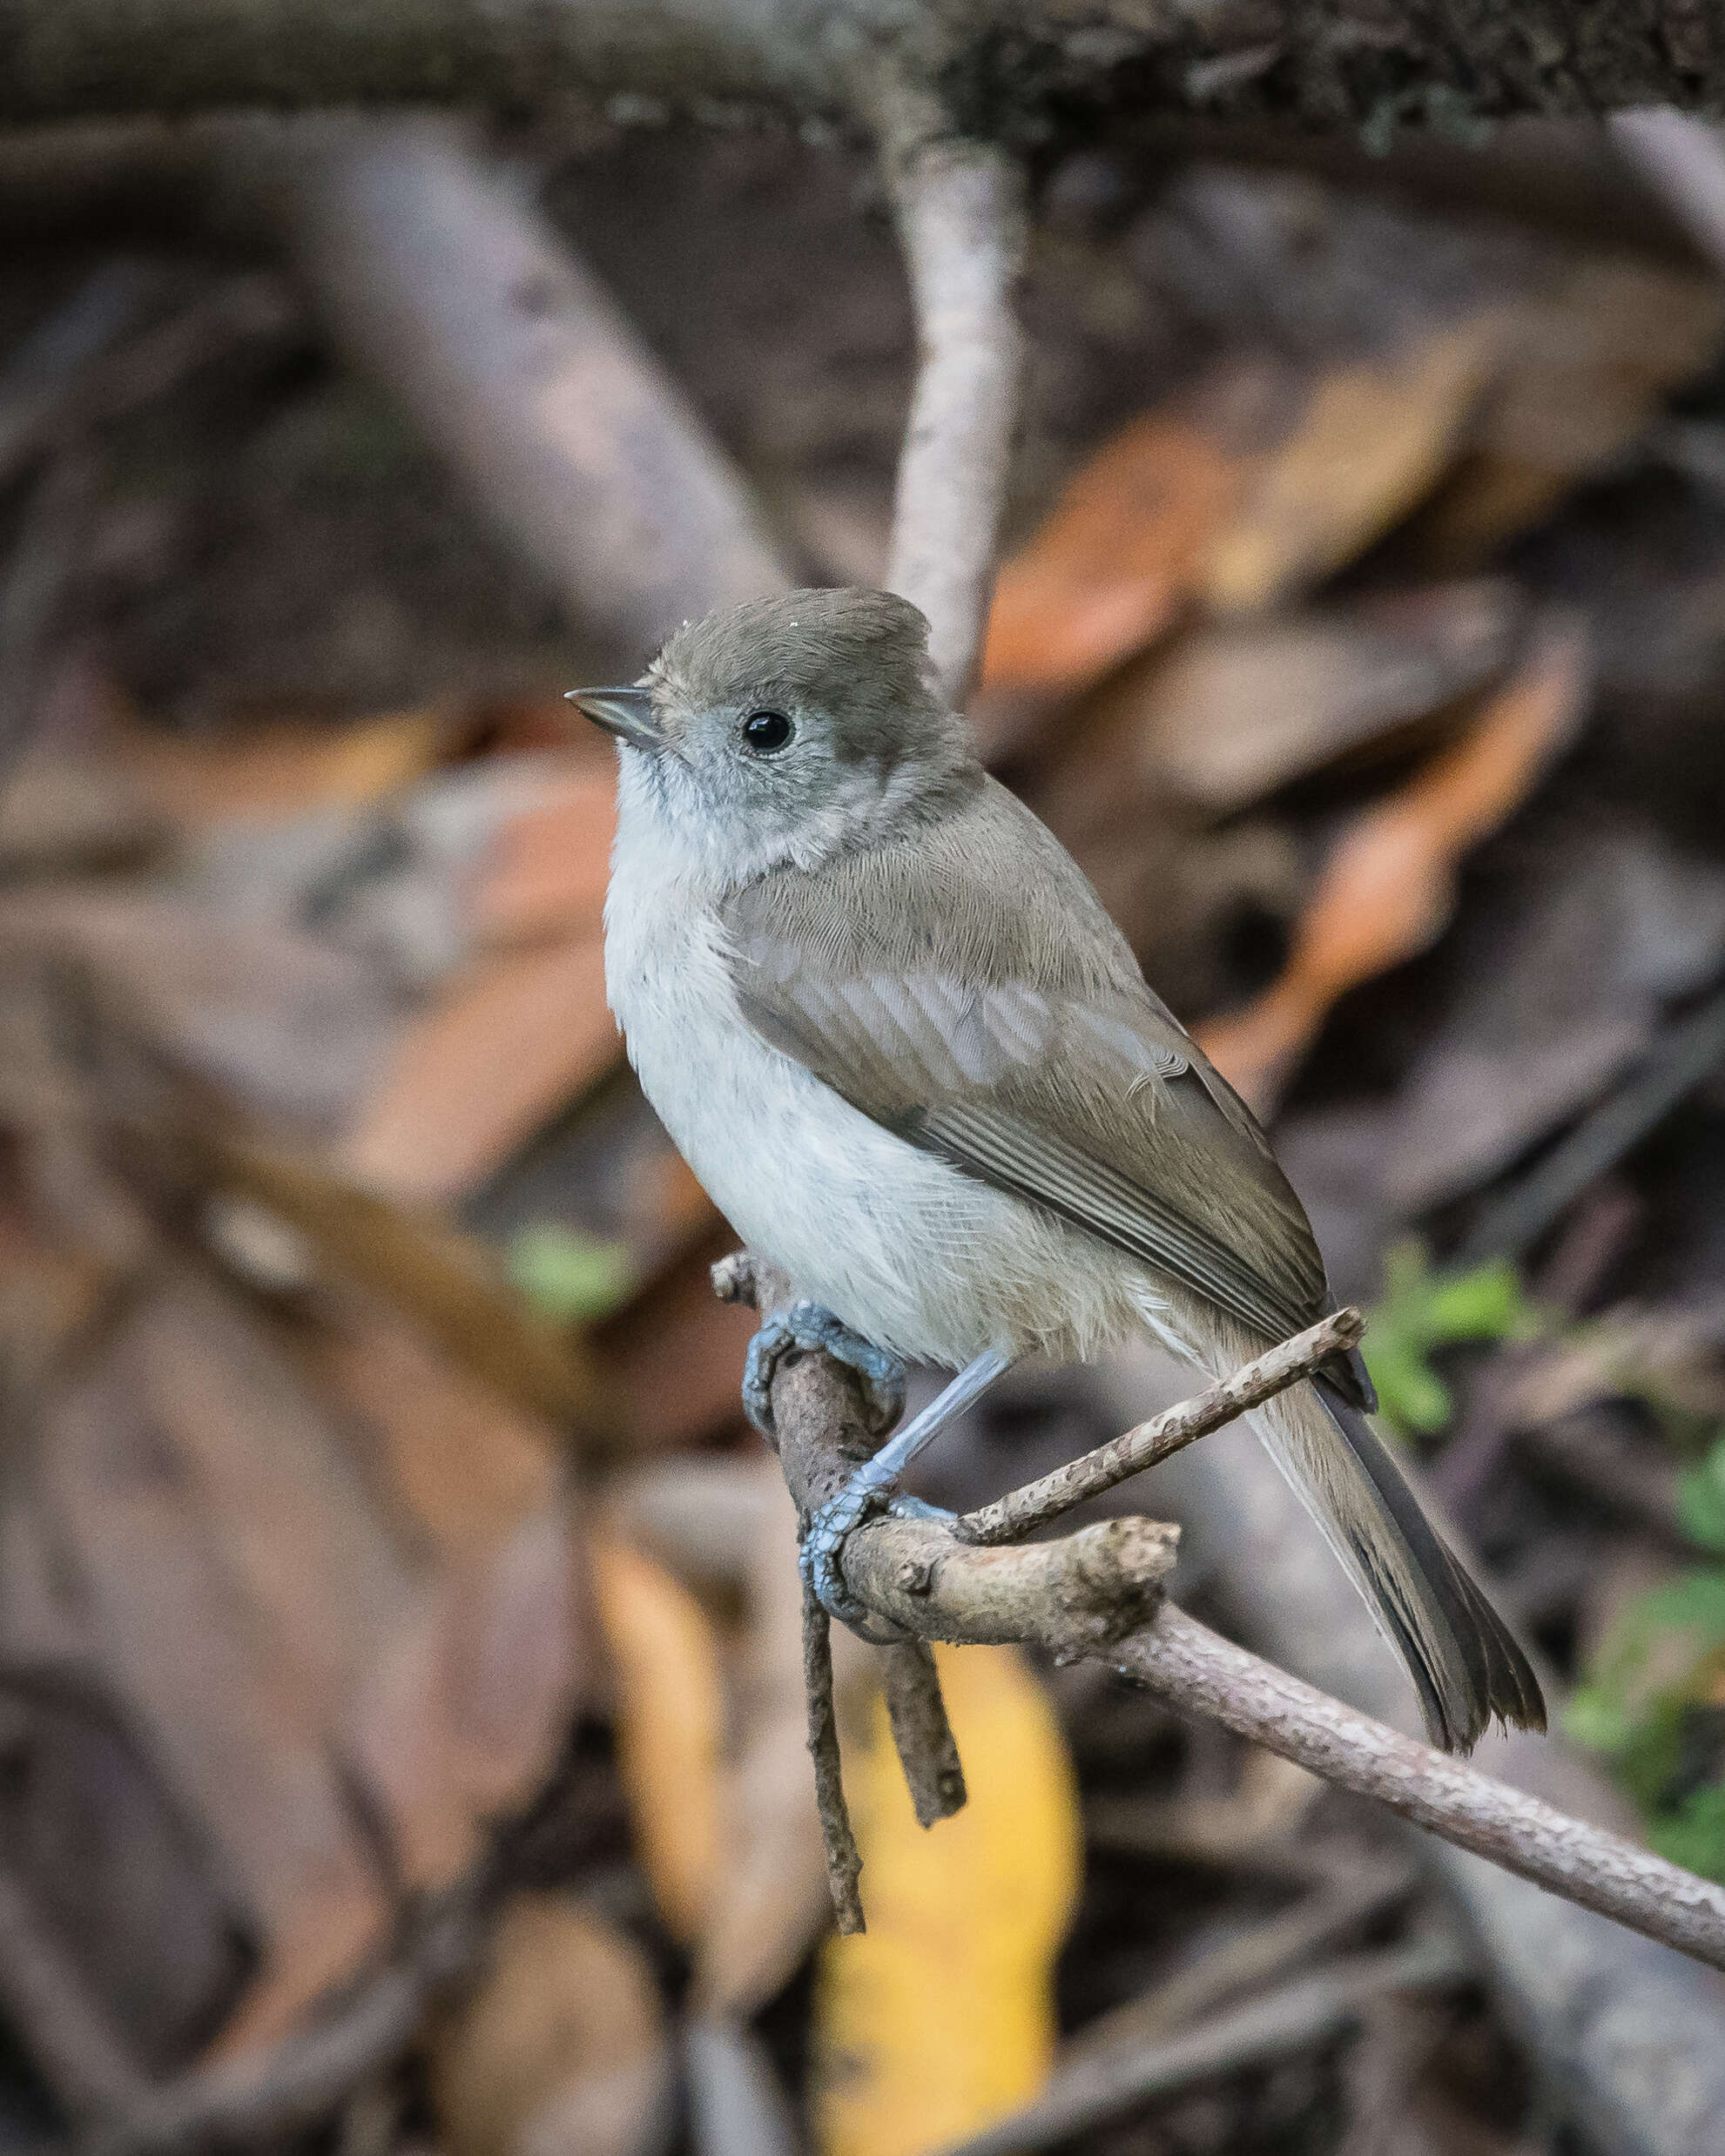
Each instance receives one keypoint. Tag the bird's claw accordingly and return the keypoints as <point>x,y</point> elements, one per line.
<point>800,1330</point>
<point>820,1558</point>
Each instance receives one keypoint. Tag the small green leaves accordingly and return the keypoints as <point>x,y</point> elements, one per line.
<point>1701,1500</point>
<point>1422,1309</point>
<point>573,1277</point>
<point>1654,1690</point>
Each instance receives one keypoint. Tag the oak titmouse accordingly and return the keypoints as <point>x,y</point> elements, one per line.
<point>892,1031</point>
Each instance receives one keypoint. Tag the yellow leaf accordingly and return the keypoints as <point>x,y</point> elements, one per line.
<point>941,2018</point>
<point>670,1718</point>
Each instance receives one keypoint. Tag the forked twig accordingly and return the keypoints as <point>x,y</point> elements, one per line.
<point>1098,1593</point>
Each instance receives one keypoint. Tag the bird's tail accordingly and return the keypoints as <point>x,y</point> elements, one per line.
<point>1465,1664</point>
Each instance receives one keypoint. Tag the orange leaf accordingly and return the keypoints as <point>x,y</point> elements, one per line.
<point>1112,564</point>
<point>279,769</point>
<point>1387,890</point>
<point>546,869</point>
<point>505,1046</point>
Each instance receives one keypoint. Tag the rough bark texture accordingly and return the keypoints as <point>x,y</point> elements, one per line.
<point>1005,64</point>
<point>1627,2032</point>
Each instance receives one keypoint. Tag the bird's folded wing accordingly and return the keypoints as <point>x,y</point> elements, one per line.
<point>1084,1097</point>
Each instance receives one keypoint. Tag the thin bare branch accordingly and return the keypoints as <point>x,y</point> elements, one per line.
<point>960,212</point>
<point>1197,1671</point>
<point>68,59</point>
<point>844,1861</point>
<point>1034,1504</point>
<point>1098,1593</point>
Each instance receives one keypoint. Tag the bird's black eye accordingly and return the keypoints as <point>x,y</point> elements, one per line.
<point>766,732</point>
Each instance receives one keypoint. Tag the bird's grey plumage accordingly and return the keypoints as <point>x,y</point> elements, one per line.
<point>885,1017</point>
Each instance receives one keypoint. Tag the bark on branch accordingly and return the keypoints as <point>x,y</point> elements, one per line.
<point>1013,59</point>
<point>961,211</point>
<point>1098,1593</point>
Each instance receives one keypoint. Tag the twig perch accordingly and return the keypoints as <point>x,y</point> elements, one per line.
<point>1016,1514</point>
<point>1099,1593</point>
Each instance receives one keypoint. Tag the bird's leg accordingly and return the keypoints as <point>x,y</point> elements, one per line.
<point>799,1330</point>
<point>872,1488</point>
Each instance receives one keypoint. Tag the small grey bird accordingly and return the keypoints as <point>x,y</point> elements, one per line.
<point>890,1026</point>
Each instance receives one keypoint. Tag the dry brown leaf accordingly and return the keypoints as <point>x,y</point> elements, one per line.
<point>464,1712</point>
<point>432,1273</point>
<point>560,2050</point>
<point>669,1723</point>
<point>233,1702</point>
<point>1584,365</point>
<point>496,1056</point>
<point>1373,440</point>
<point>462,1465</point>
<point>313,1621</point>
<point>1236,709</point>
<point>272,1020</point>
<point>1114,561</point>
<point>1386,890</point>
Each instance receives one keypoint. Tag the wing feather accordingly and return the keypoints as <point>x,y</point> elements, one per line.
<point>1003,1025</point>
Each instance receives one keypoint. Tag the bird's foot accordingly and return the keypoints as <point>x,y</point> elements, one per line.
<point>871,1491</point>
<point>802,1328</point>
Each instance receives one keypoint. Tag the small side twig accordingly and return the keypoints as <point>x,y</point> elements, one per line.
<point>844,1861</point>
<point>1032,1506</point>
<point>927,1751</point>
<point>959,205</point>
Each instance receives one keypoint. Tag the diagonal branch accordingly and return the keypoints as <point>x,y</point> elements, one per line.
<point>1009,1518</point>
<point>1098,1593</point>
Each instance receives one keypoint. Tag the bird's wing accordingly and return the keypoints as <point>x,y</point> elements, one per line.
<point>965,989</point>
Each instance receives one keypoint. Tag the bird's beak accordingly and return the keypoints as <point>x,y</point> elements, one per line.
<point>627,713</point>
